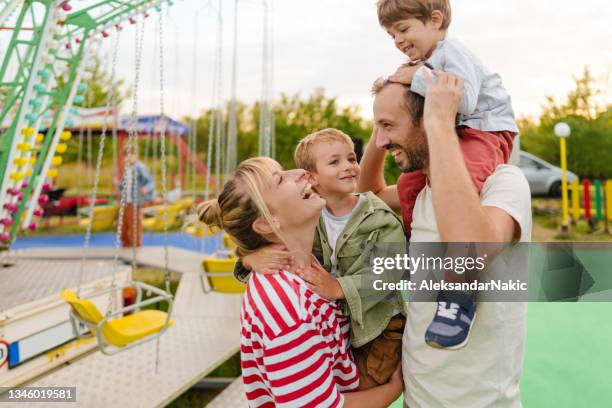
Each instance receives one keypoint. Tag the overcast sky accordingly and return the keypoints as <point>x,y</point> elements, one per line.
<point>536,46</point>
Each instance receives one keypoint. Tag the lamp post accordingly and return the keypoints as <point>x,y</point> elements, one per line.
<point>562,131</point>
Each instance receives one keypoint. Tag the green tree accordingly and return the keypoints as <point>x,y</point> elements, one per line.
<point>99,86</point>
<point>96,96</point>
<point>590,143</point>
<point>295,117</point>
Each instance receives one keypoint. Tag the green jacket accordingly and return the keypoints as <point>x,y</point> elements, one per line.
<point>373,222</point>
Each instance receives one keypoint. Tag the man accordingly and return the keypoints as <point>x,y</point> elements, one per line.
<point>421,135</point>
<point>139,189</point>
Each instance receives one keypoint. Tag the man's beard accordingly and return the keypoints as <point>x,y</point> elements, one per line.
<point>416,159</point>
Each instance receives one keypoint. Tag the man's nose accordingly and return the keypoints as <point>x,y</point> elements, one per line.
<point>381,139</point>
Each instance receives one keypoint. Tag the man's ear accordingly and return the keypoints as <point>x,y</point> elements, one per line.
<point>262,227</point>
<point>437,19</point>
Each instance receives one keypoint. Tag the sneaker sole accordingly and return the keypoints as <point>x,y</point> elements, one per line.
<point>455,347</point>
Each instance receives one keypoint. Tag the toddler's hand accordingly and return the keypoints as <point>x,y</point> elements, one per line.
<point>405,73</point>
<point>269,259</point>
<point>320,281</point>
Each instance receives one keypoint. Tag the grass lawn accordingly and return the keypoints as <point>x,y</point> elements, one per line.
<point>567,356</point>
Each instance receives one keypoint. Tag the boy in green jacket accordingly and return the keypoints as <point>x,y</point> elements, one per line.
<point>349,228</point>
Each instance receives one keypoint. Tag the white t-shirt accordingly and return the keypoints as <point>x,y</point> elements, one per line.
<point>486,372</point>
<point>334,227</point>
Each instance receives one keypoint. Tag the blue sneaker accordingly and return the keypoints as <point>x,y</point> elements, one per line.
<point>450,328</point>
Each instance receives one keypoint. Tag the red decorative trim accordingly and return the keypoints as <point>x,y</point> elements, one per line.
<point>2,363</point>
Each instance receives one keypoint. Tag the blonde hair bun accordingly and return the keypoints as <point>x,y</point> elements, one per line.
<point>209,213</point>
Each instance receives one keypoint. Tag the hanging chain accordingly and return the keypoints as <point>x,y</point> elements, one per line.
<point>89,155</point>
<point>115,163</point>
<point>213,117</point>
<point>162,149</point>
<point>124,184</point>
<point>194,122</point>
<point>79,160</point>
<point>219,113</point>
<point>264,111</point>
<point>230,163</point>
<point>163,169</point>
<point>135,151</point>
<point>110,98</point>
<point>271,119</point>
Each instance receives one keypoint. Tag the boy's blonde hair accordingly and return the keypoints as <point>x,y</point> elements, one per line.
<point>391,11</point>
<point>304,158</point>
<point>241,203</point>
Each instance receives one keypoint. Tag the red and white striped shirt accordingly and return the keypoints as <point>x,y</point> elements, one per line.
<point>294,345</point>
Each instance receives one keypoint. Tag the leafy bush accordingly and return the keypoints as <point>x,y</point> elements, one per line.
<point>590,143</point>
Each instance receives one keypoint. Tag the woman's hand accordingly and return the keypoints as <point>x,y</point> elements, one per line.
<point>269,259</point>
<point>320,281</point>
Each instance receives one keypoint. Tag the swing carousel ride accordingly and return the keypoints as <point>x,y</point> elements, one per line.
<point>43,85</point>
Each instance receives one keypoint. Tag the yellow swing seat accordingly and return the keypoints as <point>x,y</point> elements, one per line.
<point>126,331</point>
<point>227,242</point>
<point>202,230</point>
<point>186,203</point>
<point>220,275</point>
<point>156,222</point>
<point>103,217</point>
<point>134,327</point>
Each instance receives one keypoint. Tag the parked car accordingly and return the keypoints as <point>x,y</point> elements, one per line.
<point>544,178</point>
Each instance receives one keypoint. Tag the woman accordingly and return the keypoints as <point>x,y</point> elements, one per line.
<point>294,344</point>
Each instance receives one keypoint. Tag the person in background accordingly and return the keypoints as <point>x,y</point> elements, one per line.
<point>139,189</point>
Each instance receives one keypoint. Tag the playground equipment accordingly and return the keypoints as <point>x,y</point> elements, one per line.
<point>169,216</point>
<point>101,217</point>
<point>219,272</point>
<point>7,9</point>
<point>562,131</point>
<point>222,143</point>
<point>133,330</point>
<point>36,108</point>
<point>227,241</point>
<point>591,201</point>
<point>49,38</point>
<point>602,192</point>
<point>34,321</point>
<point>128,330</point>
<point>184,354</point>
